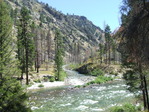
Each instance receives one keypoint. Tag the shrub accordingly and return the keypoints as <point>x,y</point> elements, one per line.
<point>12,96</point>
<point>79,86</point>
<point>62,75</point>
<point>112,72</point>
<point>99,80</point>
<point>41,85</point>
<point>116,74</point>
<point>52,79</point>
<point>73,66</point>
<point>124,108</point>
<point>96,72</point>
<point>37,80</point>
<point>46,79</point>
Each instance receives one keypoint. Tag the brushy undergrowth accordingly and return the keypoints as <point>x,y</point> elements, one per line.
<point>126,108</point>
<point>96,72</point>
<point>62,75</point>
<point>100,80</point>
<point>73,66</point>
<point>41,85</point>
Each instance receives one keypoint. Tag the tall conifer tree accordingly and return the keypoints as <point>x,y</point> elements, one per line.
<point>12,97</point>
<point>26,47</point>
<point>59,53</point>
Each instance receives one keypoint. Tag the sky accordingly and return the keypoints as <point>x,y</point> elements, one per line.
<point>100,12</point>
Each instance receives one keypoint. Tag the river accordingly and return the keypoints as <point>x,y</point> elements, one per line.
<point>94,98</point>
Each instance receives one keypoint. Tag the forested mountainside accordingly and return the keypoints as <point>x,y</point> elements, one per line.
<point>44,48</point>
<point>78,31</point>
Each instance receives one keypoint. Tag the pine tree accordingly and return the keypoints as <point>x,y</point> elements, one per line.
<point>12,97</point>
<point>101,51</point>
<point>114,51</point>
<point>37,50</point>
<point>59,53</point>
<point>49,47</point>
<point>26,47</point>
<point>134,44</point>
<point>108,41</point>
<point>20,51</point>
<point>4,36</point>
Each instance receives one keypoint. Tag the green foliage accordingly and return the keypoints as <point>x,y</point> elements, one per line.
<point>114,73</point>
<point>52,79</point>
<point>12,96</point>
<point>100,80</point>
<point>41,85</point>
<point>42,18</point>
<point>37,81</point>
<point>5,39</point>
<point>48,19</point>
<point>96,72</point>
<point>135,44</point>
<point>46,79</point>
<point>62,75</point>
<point>125,108</point>
<point>25,42</point>
<point>49,79</point>
<point>73,66</point>
<point>101,52</point>
<point>25,39</point>
<point>59,53</point>
<point>132,80</point>
<point>78,86</point>
<point>107,32</point>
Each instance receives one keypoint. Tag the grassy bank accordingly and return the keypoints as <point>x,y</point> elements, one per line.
<point>98,80</point>
<point>62,75</point>
<point>102,72</point>
<point>127,108</point>
<point>73,66</point>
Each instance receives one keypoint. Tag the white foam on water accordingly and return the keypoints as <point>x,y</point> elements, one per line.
<point>86,91</point>
<point>46,85</point>
<point>81,107</point>
<point>128,95</point>
<point>68,104</point>
<point>69,97</point>
<point>75,82</point>
<point>34,108</point>
<point>115,86</point>
<point>101,88</point>
<point>119,92</point>
<point>97,109</point>
<point>89,102</point>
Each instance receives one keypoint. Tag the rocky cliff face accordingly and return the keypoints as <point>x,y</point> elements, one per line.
<point>75,29</point>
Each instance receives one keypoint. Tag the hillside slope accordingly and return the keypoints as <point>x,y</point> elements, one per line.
<point>75,29</point>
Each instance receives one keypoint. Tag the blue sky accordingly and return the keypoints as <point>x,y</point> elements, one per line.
<point>97,11</point>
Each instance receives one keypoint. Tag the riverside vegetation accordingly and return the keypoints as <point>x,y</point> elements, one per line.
<point>36,41</point>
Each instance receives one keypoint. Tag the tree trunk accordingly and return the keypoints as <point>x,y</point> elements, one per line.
<point>146,90</point>
<point>27,82</point>
<point>22,75</point>
<point>37,63</point>
<point>106,55</point>
<point>114,55</point>
<point>109,55</point>
<point>101,55</point>
<point>142,86</point>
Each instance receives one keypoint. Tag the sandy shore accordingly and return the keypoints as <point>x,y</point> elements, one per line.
<point>46,85</point>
